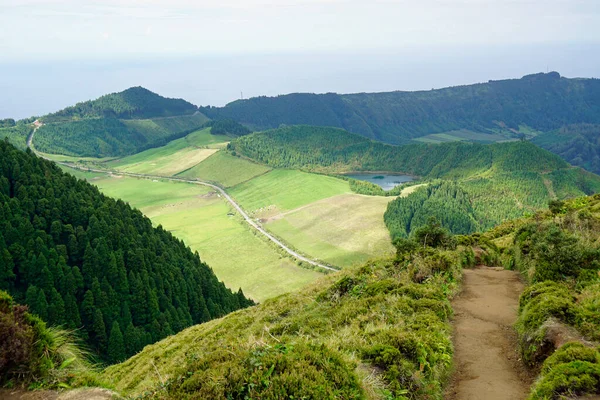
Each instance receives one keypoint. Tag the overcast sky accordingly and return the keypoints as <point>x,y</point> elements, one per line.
<point>113,34</point>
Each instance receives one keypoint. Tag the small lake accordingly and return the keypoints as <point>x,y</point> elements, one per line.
<point>386,181</point>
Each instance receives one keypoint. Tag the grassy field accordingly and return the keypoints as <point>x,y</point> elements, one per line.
<point>225,169</point>
<point>178,155</point>
<point>283,190</point>
<point>343,230</point>
<point>198,216</point>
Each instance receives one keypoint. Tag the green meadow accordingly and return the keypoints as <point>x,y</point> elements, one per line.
<point>225,169</point>
<point>343,230</point>
<point>283,190</point>
<point>207,224</point>
<point>178,155</point>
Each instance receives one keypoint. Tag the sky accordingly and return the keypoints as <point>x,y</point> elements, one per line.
<point>54,53</point>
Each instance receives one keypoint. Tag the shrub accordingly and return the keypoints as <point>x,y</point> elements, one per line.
<point>573,370</point>
<point>32,352</point>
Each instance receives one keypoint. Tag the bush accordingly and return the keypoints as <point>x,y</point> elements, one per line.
<point>32,352</point>
<point>573,370</point>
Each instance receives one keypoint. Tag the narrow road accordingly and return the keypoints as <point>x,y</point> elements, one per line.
<point>235,205</point>
<point>487,364</point>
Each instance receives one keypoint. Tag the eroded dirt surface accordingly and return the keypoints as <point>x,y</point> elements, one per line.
<point>487,365</point>
<point>77,394</point>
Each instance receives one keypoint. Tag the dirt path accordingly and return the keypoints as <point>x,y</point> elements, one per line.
<point>487,365</point>
<point>77,394</point>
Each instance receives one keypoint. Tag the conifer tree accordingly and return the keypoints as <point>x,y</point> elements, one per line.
<point>116,346</point>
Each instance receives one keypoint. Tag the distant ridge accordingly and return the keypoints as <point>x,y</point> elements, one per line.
<point>513,107</point>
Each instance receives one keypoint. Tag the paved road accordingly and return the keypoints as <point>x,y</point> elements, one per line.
<point>196,182</point>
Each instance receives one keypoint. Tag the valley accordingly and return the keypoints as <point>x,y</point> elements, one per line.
<point>370,285</point>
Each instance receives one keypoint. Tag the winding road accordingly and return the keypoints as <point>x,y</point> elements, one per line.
<point>235,205</point>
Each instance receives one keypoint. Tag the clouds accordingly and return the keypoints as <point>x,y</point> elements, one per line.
<point>130,28</point>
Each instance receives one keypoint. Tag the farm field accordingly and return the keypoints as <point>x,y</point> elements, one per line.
<point>225,169</point>
<point>178,155</point>
<point>283,190</point>
<point>344,230</point>
<point>200,218</point>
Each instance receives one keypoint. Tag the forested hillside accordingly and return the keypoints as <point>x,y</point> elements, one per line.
<point>480,186</point>
<point>542,102</point>
<point>133,103</point>
<point>335,150</point>
<point>117,124</point>
<point>110,137</point>
<point>82,260</point>
<point>579,144</point>
<point>16,133</point>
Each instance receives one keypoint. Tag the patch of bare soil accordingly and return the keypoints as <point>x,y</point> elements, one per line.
<point>487,365</point>
<point>77,394</point>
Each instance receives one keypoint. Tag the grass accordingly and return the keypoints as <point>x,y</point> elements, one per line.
<point>366,333</point>
<point>178,155</point>
<point>200,218</point>
<point>343,230</point>
<point>225,169</point>
<point>285,190</point>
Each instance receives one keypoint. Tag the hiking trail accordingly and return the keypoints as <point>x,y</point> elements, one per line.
<point>487,363</point>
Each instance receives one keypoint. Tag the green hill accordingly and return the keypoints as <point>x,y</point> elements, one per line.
<point>111,137</point>
<point>85,261</point>
<point>471,186</point>
<point>542,102</point>
<point>133,103</point>
<point>117,124</point>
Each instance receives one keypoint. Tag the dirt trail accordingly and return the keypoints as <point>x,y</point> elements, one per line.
<point>77,394</point>
<point>486,360</point>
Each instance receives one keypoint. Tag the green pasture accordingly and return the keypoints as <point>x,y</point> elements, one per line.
<point>206,223</point>
<point>225,169</point>
<point>283,190</point>
<point>343,230</point>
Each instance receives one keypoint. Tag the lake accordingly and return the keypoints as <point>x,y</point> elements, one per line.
<point>386,181</point>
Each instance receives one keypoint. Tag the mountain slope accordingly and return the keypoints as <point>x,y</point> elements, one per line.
<point>110,137</point>
<point>579,144</point>
<point>117,124</point>
<point>80,259</point>
<point>471,186</point>
<point>379,331</point>
<point>541,102</point>
<point>133,103</point>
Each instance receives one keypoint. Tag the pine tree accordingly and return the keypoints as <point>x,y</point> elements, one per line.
<point>56,308</point>
<point>88,309</point>
<point>116,346</point>
<point>99,331</point>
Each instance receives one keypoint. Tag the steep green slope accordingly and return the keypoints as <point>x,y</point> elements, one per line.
<point>83,260</point>
<point>105,137</point>
<point>492,183</point>
<point>135,102</point>
<point>379,331</point>
<point>117,124</point>
<point>542,102</point>
<point>17,134</point>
